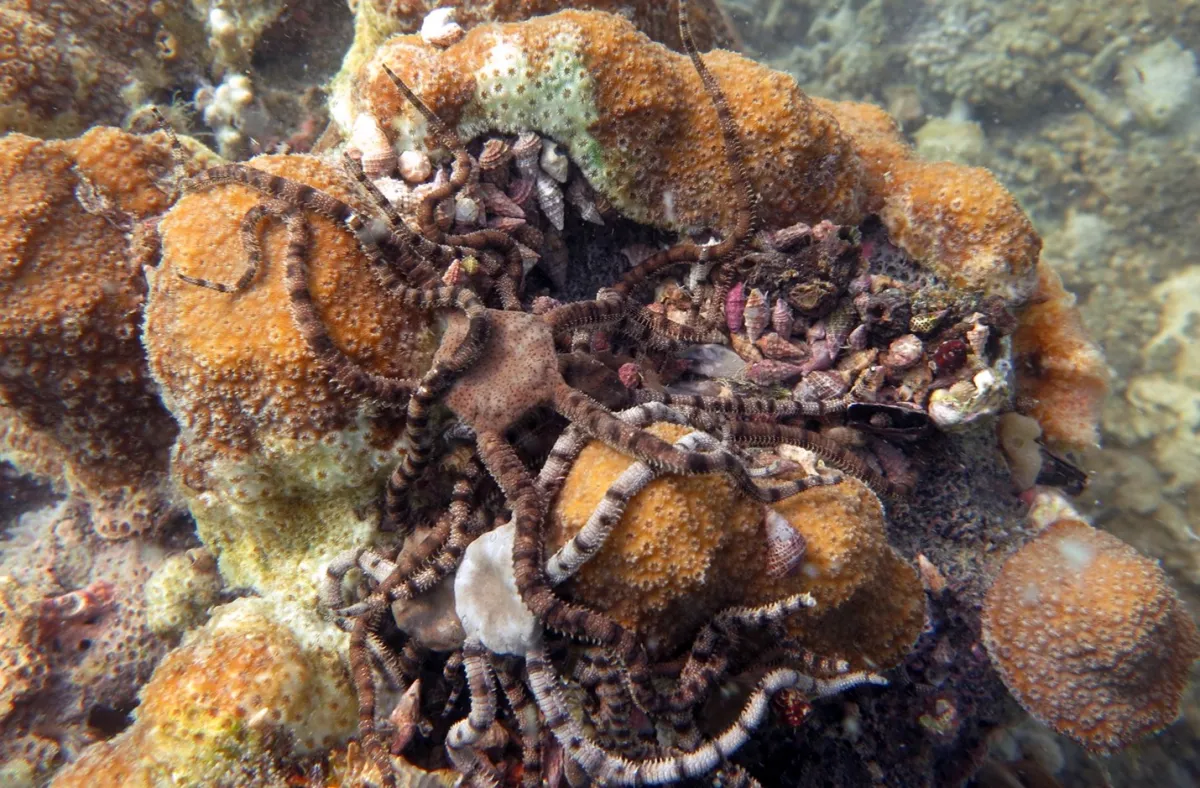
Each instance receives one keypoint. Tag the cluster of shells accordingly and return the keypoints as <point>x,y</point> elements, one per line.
<point>836,314</point>
<point>522,185</point>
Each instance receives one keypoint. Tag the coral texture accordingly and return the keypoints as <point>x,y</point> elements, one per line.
<point>687,547</point>
<point>120,53</point>
<point>634,118</point>
<point>217,704</point>
<point>1090,637</point>
<point>631,114</point>
<point>77,404</point>
<point>957,221</point>
<point>1060,369</point>
<point>279,465</point>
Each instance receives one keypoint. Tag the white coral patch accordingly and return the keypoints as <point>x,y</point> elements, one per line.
<point>1077,554</point>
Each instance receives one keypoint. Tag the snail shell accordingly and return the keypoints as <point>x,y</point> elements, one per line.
<point>415,166</point>
<point>735,306</point>
<point>378,155</point>
<point>756,314</point>
<point>495,154</point>
<point>499,203</point>
<point>785,546</point>
<point>782,319</point>
<point>550,200</point>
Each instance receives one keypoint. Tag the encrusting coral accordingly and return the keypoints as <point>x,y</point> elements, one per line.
<point>1090,637</point>
<point>375,21</point>
<point>630,113</point>
<point>687,547</point>
<point>77,405</point>
<point>959,221</point>
<point>629,121</point>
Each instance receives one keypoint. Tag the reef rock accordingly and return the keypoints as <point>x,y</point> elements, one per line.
<point>120,54</point>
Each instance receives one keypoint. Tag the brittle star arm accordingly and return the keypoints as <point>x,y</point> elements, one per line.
<point>602,425</point>
<point>553,612</point>
<point>526,714</point>
<point>462,742</point>
<point>614,770</point>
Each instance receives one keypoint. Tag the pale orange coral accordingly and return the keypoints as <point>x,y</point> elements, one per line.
<point>870,602</point>
<point>235,371</point>
<point>962,224</point>
<point>661,570</point>
<point>279,467</point>
<point>1061,371</point>
<point>78,404</point>
<point>957,221</point>
<point>686,547</point>
<point>877,140</point>
<point>877,626</point>
<point>1089,636</point>
<point>635,119</point>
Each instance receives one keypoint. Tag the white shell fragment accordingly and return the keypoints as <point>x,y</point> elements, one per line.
<point>486,597</point>
<point>467,211</point>
<point>415,166</point>
<point>554,162</point>
<point>439,28</point>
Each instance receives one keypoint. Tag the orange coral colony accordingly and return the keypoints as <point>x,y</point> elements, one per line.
<point>78,401</point>
<point>632,115</point>
<point>630,112</point>
<point>687,547</point>
<point>655,18</point>
<point>1089,636</point>
<point>234,370</point>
